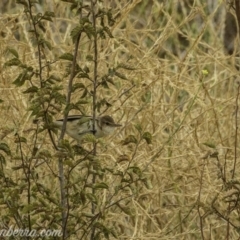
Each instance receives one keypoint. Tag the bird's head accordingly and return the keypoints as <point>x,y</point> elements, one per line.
<point>107,124</point>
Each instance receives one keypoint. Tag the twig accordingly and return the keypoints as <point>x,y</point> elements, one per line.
<point>236,133</point>
<point>198,202</point>
<point>64,202</point>
<point>94,96</point>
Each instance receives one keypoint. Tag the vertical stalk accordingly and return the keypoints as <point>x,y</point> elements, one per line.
<point>28,171</point>
<point>236,133</point>
<point>63,191</point>
<point>38,44</point>
<point>95,81</point>
<point>237,10</point>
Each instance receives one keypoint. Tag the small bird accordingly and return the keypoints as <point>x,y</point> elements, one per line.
<point>79,125</point>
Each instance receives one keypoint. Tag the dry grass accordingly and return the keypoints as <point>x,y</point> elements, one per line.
<point>191,115</point>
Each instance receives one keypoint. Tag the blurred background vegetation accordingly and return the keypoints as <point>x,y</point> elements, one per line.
<point>177,96</point>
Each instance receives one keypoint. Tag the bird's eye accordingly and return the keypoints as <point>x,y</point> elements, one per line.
<point>107,123</point>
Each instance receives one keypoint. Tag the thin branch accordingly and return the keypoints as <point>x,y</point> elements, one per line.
<point>94,97</point>
<point>198,203</point>
<point>64,201</point>
<point>236,133</point>
<point>237,10</point>
<point>38,45</point>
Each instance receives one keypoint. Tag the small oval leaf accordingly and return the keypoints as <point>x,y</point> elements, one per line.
<point>129,139</point>
<point>67,56</point>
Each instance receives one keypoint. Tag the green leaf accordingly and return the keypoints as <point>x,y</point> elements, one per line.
<point>86,69</point>
<point>17,167</point>
<point>5,148</point>
<point>28,208</point>
<point>48,44</point>
<point>214,155</point>
<point>54,78</point>
<point>84,20</point>
<point>32,89</point>
<point>81,101</point>
<point>104,84</point>
<point>77,86</point>
<point>68,1</point>
<point>35,109</point>
<point>135,170</point>
<point>148,137</point>
<point>91,197</point>
<point>129,139</point>
<point>120,75</point>
<point>89,58</point>
<point>110,80</point>
<point>20,139</point>
<point>67,56</point>
<point>105,80</point>
<point>65,145</point>
<point>111,20</point>
<point>138,127</point>
<point>37,18</point>
<point>147,97</point>
<point>13,62</point>
<point>69,163</point>
<point>126,210</point>
<point>2,159</point>
<point>87,214</point>
<point>23,2</point>
<point>113,232</point>
<point>125,66</point>
<point>20,80</point>
<point>89,30</point>
<point>102,34</point>
<point>100,185</point>
<point>84,94</point>
<point>78,68</point>
<point>48,16</point>
<point>83,75</point>
<point>13,52</point>
<point>58,97</point>
<point>82,197</point>
<point>101,103</point>
<point>147,182</point>
<point>107,30</point>
<point>26,67</point>
<point>209,144</point>
<point>75,33</point>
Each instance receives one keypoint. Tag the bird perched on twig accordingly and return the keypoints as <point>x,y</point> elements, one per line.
<point>78,125</point>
